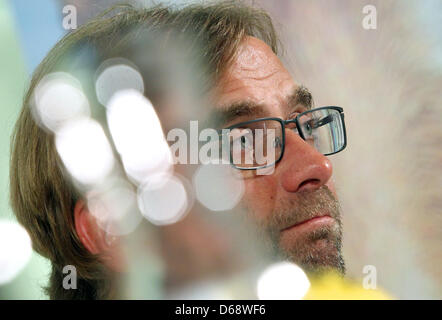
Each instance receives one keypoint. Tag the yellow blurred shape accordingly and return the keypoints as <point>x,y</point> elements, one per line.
<point>333,287</point>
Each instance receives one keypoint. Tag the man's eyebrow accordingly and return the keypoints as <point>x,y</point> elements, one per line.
<point>301,95</point>
<point>225,114</point>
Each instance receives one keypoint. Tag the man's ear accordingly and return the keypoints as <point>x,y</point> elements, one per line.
<point>89,233</point>
<point>96,240</point>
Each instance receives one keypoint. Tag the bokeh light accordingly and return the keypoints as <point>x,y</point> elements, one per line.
<point>15,250</point>
<point>115,207</point>
<point>217,187</point>
<point>58,98</point>
<point>283,281</point>
<point>164,199</point>
<point>117,75</point>
<point>138,135</point>
<point>85,150</point>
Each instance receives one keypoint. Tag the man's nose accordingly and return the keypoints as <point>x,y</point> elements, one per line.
<point>303,167</point>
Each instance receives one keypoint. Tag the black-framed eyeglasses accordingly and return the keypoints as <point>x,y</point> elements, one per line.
<point>260,143</point>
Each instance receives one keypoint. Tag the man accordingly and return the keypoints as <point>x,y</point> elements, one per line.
<point>295,204</point>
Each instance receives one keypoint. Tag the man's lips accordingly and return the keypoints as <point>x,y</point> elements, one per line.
<point>311,223</point>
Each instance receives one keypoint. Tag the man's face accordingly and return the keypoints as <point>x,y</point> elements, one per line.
<point>295,205</point>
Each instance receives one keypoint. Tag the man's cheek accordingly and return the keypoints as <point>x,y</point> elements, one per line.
<point>260,196</point>
<point>331,186</point>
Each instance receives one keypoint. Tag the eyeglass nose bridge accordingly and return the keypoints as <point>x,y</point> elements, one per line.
<point>290,121</point>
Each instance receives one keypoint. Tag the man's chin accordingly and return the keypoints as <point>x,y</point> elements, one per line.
<point>316,252</point>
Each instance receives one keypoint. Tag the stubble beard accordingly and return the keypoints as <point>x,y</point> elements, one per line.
<point>316,252</point>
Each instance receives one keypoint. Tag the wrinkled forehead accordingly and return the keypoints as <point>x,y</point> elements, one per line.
<point>254,59</point>
<point>256,83</point>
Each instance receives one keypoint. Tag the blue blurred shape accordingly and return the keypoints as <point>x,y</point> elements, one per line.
<point>39,26</point>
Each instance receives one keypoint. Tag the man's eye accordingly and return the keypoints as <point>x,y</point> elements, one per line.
<point>245,142</point>
<point>242,138</point>
<point>315,123</point>
<point>310,125</point>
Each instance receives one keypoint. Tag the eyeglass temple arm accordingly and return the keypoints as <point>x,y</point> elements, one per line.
<point>319,123</point>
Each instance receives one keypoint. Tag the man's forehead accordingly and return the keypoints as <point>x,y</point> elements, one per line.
<point>254,70</point>
<point>256,84</point>
<point>256,57</point>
